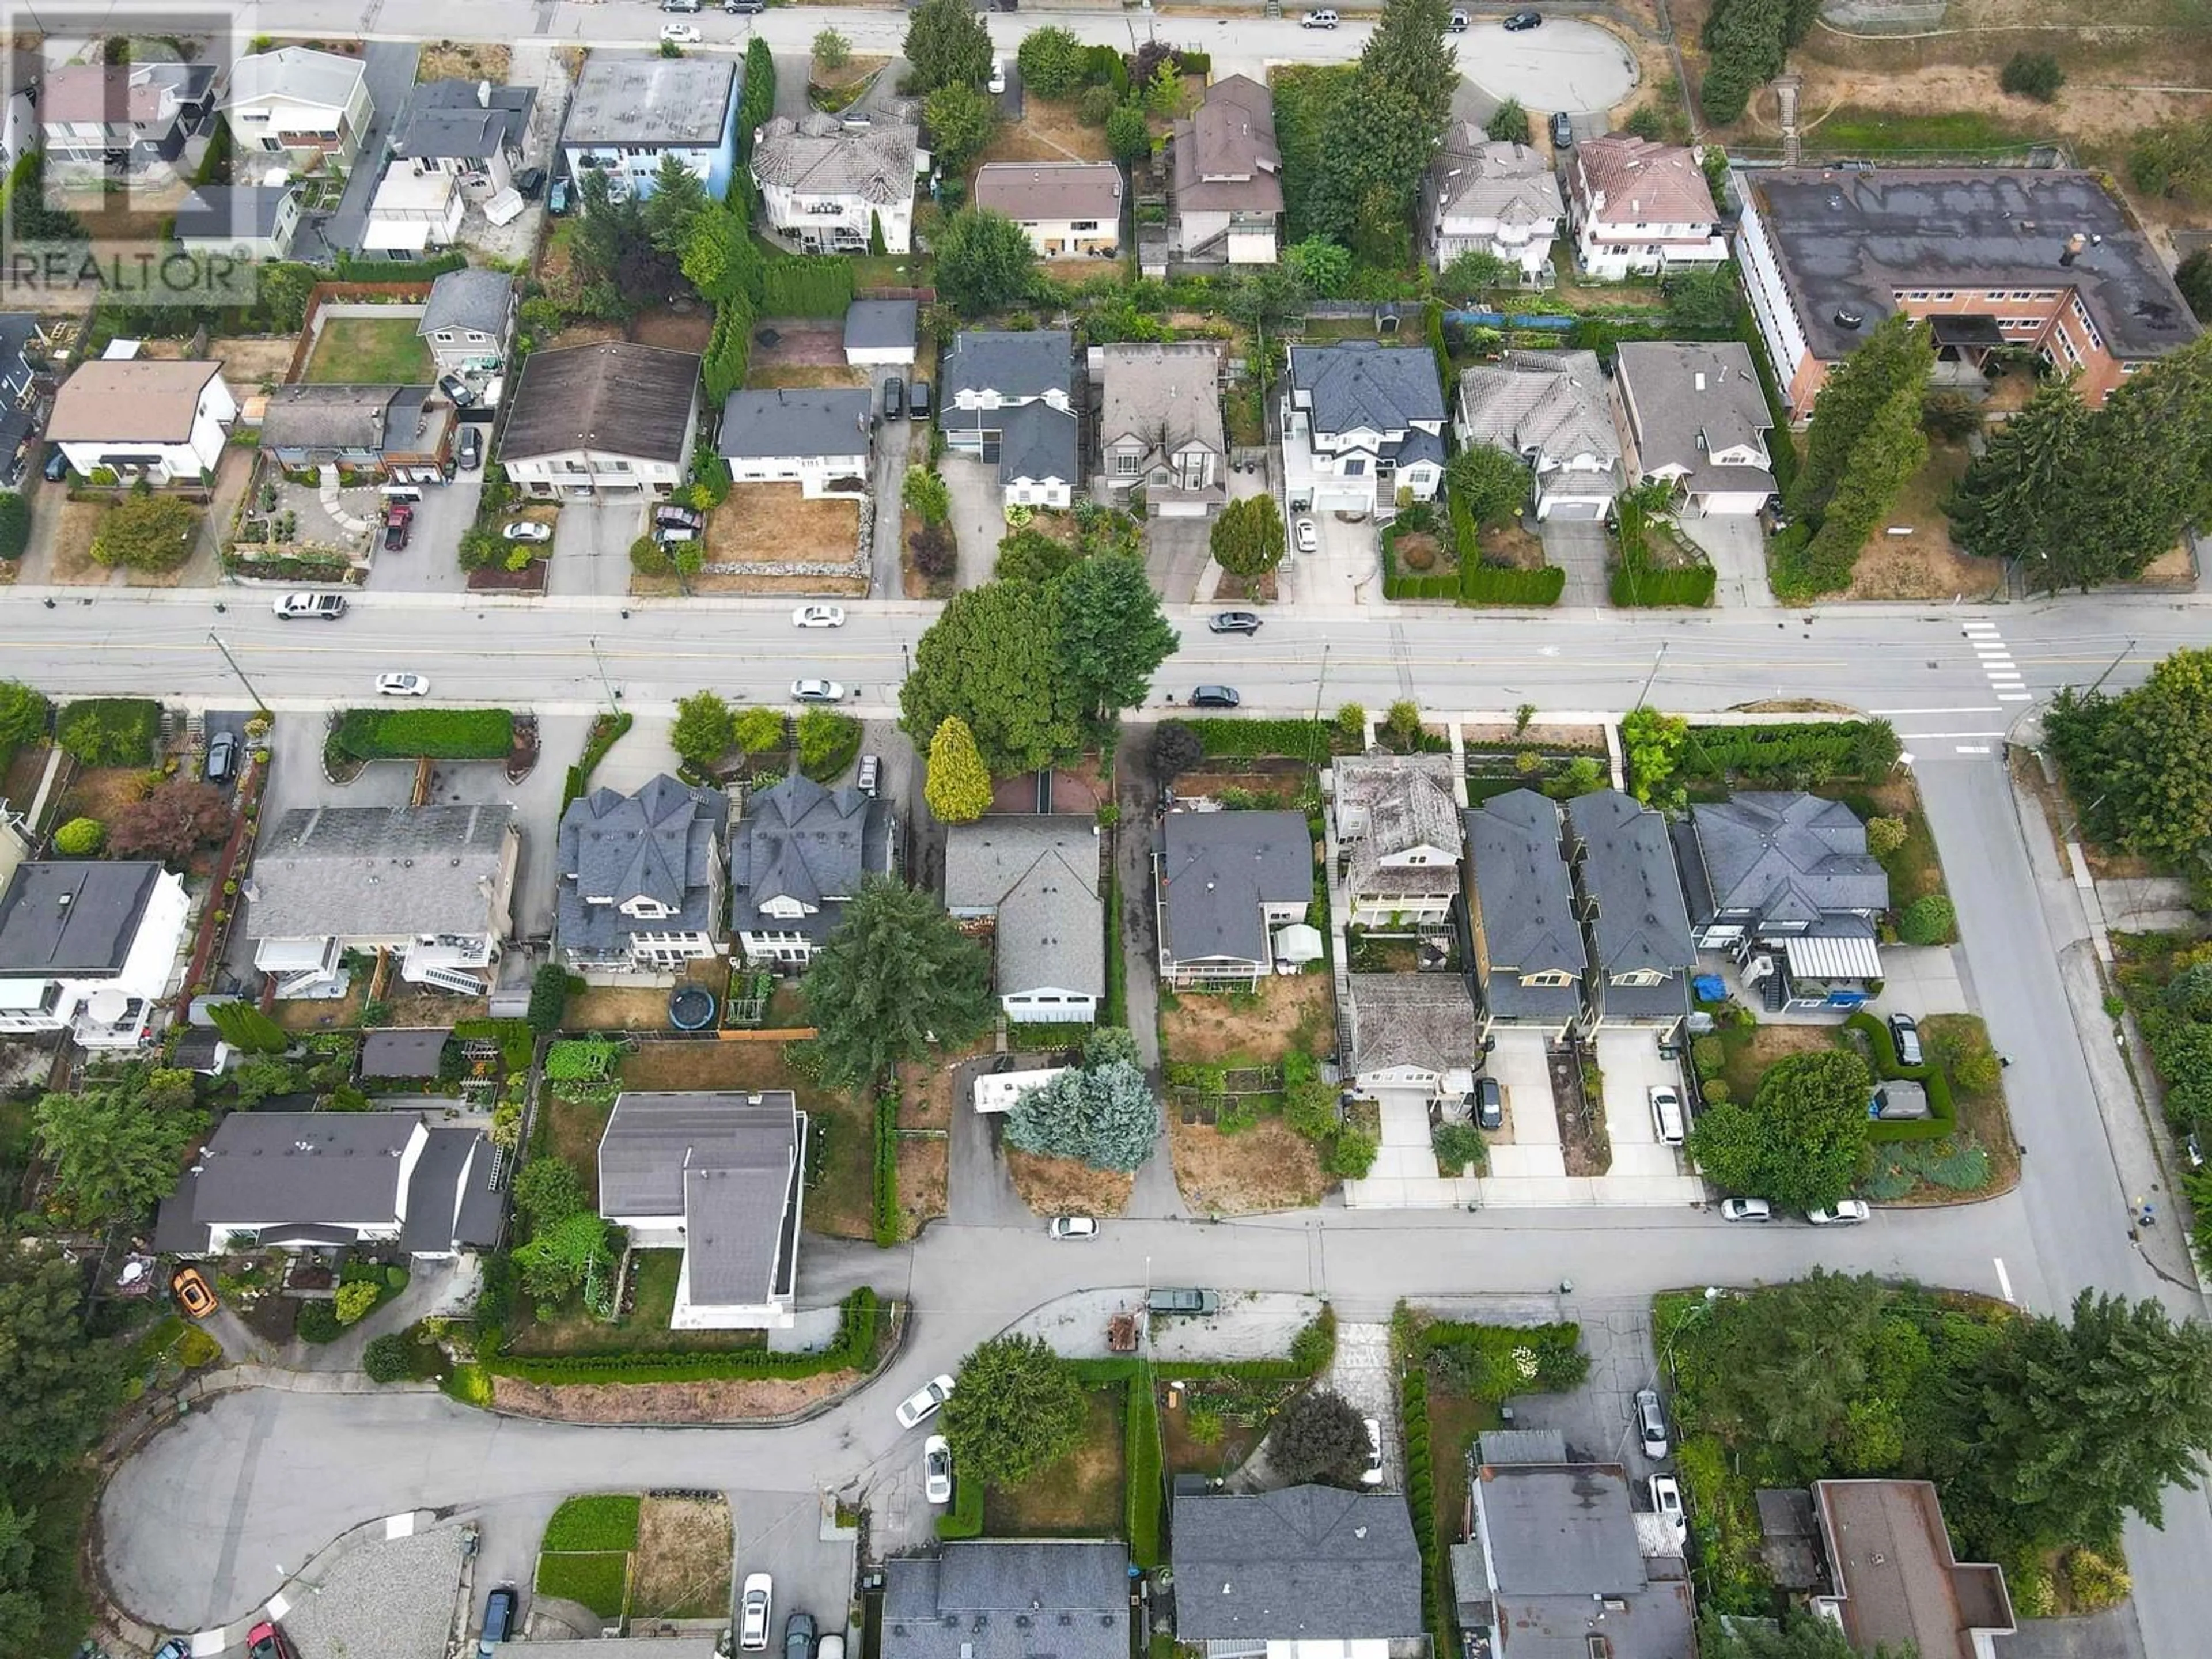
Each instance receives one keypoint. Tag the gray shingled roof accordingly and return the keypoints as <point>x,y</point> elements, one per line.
<point>74,918</point>
<point>876,323</point>
<point>1009,1599</point>
<point>1628,872</point>
<point>1038,873</point>
<point>1785,857</point>
<point>215,213</point>
<point>1152,390</point>
<point>444,120</point>
<point>728,1163</point>
<point>1302,1563</point>
<point>475,298</point>
<point>787,422</point>
<point>450,1197</point>
<point>658,843</point>
<point>1015,365</point>
<point>1525,902</point>
<point>328,416</point>
<point>1227,159</point>
<point>333,1168</point>
<point>403,1050</point>
<point>374,871</point>
<point>1426,1020</point>
<point>1477,176</point>
<point>1219,868</point>
<point>821,155</point>
<point>1390,804</point>
<point>1551,402</point>
<point>1357,383</point>
<point>651,101</point>
<point>1037,442</point>
<point>1688,400</point>
<point>796,838</point>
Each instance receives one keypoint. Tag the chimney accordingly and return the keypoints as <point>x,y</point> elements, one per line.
<point>2072,251</point>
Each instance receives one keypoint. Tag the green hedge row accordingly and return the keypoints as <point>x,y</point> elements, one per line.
<point>1397,585</point>
<point>965,1519</point>
<point>1252,739</point>
<point>1638,583</point>
<point>398,270</point>
<point>796,286</point>
<point>1421,1499</point>
<point>1942,1107</point>
<point>886,1196</point>
<point>1117,967</point>
<point>109,731</point>
<point>854,1350</point>
<point>1865,749</point>
<point>1557,1350</point>
<point>1146,1488</point>
<point>606,732</point>
<point>1490,584</point>
<point>413,733</point>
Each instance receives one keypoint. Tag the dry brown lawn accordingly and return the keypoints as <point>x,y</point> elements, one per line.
<point>1269,1166</point>
<point>773,523</point>
<point>1512,545</point>
<point>1537,735</point>
<point>684,1552</point>
<point>926,1089</point>
<point>921,1180</point>
<point>835,588</point>
<point>1064,1186</point>
<point>1292,1012</point>
<point>807,375</point>
<point>246,360</point>
<point>749,1400</point>
<point>74,530</point>
<point>1081,1493</point>
<point>750,1065</point>
<point>617,1008</point>
<point>463,60</point>
<point>1047,131</point>
<point>1923,565</point>
<point>101,792</point>
<point>678,330</point>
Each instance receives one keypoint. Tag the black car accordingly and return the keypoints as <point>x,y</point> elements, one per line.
<point>57,466</point>
<point>894,398</point>
<point>1563,131</point>
<point>1522,20</point>
<point>1215,696</point>
<point>1233,621</point>
<point>667,516</point>
<point>456,390</point>
<point>1907,1036</point>
<point>529,182</point>
<point>917,400</point>
<point>1488,1103</point>
<point>222,758</point>
<point>798,1637</point>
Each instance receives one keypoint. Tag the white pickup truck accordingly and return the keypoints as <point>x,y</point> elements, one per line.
<point>328,606</point>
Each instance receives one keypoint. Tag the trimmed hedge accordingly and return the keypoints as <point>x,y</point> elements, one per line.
<point>1142,1472</point>
<point>1842,748</point>
<point>1490,584</point>
<point>965,1519</point>
<point>109,731</point>
<point>1943,1109</point>
<point>796,286</point>
<point>1254,739</point>
<point>1117,967</point>
<point>1396,585</point>
<point>607,730</point>
<point>1637,583</point>
<point>414,733</point>
<point>886,1171</point>
<point>1421,1499</point>
<point>854,1350</point>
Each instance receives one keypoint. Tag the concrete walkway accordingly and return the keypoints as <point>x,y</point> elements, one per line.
<point>1155,1194</point>
<point>327,486</point>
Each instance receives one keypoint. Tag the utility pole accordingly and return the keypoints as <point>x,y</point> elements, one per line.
<point>1320,743</point>
<point>260,706</point>
<point>1651,676</point>
<point>2108,674</point>
<point>613,705</point>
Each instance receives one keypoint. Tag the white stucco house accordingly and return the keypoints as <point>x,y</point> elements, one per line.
<point>1642,210</point>
<point>827,188</point>
<point>1481,196</point>
<point>1360,422</point>
<point>141,417</point>
<point>1006,399</point>
<point>417,209</point>
<point>815,438</point>
<point>1552,409</point>
<point>296,100</point>
<point>1068,210</point>
<point>89,947</point>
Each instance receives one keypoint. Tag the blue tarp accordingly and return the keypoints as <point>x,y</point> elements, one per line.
<point>1502,319</point>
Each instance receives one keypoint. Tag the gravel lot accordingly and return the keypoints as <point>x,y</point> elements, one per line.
<point>391,1599</point>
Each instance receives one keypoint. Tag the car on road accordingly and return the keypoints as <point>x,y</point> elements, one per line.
<point>456,390</point>
<point>679,5</point>
<point>753,1610</point>
<point>818,615</point>
<point>192,1293</point>
<point>1562,131</point>
<point>471,454</point>
<point>1457,25</point>
<point>175,1648</point>
<point>329,607</point>
<point>798,1637</point>
<point>1182,1302</point>
<point>1843,1213</point>
<point>1905,1034</point>
<point>398,525</point>
<point>1307,537</point>
<point>1072,1227</point>
<point>922,1404</point>
<point>681,35</point>
<point>1372,1474</point>
<point>1523,20</point>
<point>1233,621</point>
<point>556,199</point>
<point>266,1641</point>
<point>1745,1209</point>
<point>499,1620</point>
<point>222,758</point>
<point>1318,19</point>
<point>869,778</point>
<point>1667,1497</point>
<point>402,685</point>
<point>937,1469</point>
<point>1214,696</point>
<point>745,7</point>
<point>527,530</point>
<point>894,398</point>
<point>1489,1103</point>
<point>817,691</point>
<point>1651,1423</point>
<point>57,466</point>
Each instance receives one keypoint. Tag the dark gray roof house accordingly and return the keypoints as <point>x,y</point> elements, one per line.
<point>798,852</point>
<point>612,397</point>
<point>1302,1563</point>
<point>644,864</point>
<point>1638,932</point>
<point>804,423</point>
<point>1776,861</point>
<point>232,213</point>
<point>1223,881</point>
<point>881,331</point>
<point>1017,366</point>
<point>74,918</point>
<point>1356,384</point>
<point>1036,874</point>
<point>403,1050</point>
<point>1039,445</point>
<point>1528,946</point>
<point>309,424</point>
<point>1055,1598</point>
<point>462,121</point>
<point>19,331</point>
<point>475,300</point>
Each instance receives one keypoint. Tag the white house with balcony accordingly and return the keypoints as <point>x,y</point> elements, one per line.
<point>1482,196</point>
<point>1006,399</point>
<point>829,188</point>
<point>639,882</point>
<point>89,947</point>
<point>296,100</point>
<point>417,209</point>
<point>140,418</point>
<point>1361,422</point>
<point>1642,210</point>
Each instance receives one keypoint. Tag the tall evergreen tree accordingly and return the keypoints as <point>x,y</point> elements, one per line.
<point>1895,356</point>
<point>947,45</point>
<point>1112,634</point>
<point>1744,46</point>
<point>2026,496</point>
<point>2149,451</point>
<point>1405,51</point>
<point>894,979</point>
<point>1891,447</point>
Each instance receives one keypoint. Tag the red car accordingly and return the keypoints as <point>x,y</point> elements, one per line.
<point>265,1641</point>
<point>192,1292</point>
<point>396,519</point>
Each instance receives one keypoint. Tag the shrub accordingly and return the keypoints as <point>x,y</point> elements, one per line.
<point>935,551</point>
<point>355,1301</point>
<point>387,1359</point>
<point>2032,75</point>
<point>827,742</point>
<point>1458,1144</point>
<point>109,731</point>
<point>146,532</point>
<point>317,1323</point>
<point>1317,1436</point>
<point>196,1348</point>
<point>854,1350</point>
<point>549,999</point>
<point>1884,835</point>
<point>649,558</point>
<point>1929,921</point>
<point>2095,1583</point>
<point>80,838</point>
<point>1096,106</point>
<point>1716,1091</point>
<point>1708,1056</point>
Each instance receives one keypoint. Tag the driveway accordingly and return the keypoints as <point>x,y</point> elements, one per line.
<point>591,548</point>
<point>1344,571</point>
<point>1630,1060</point>
<point>1524,1078</point>
<point>978,514</point>
<point>1594,1418</point>
<point>431,560</point>
<point>1580,547</point>
<point>390,70</point>
<point>780,1532</point>
<point>1736,544</point>
<point>1176,555</point>
<point>537,802</point>
<point>894,442</point>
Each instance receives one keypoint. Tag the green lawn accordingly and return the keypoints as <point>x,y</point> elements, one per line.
<point>1454,1420</point>
<point>1853,128</point>
<point>370,351</point>
<point>568,1327</point>
<point>1080,1496</point>
<point>596,1580</point>
<point>593,1522</point>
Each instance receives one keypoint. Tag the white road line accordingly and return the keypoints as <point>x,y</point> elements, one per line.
<point>1973,749</point>
<point>1921,735</point>
<point>2015,697</point>
<point>2004,1278</point>
<point>1987,651</point>
<point>1964,708</point>
<point>1977,627</point>
<point>2006,679</point>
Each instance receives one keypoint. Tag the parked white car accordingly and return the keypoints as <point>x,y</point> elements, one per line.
<point>924,1402</point>
<point>681,35</point>
<point>1667,1498</point>
<point>402,685</point>
<point>1073,1226</point>
<point>937,1469</point>
<point>1745,1209</point>
<point>818,615</point>
<point>1307,537</point>
<point>1843,1213</point>
<point>753,1611</point>
<point>1372,1474</point>
<point>528,529</point>
<point>817,691</point>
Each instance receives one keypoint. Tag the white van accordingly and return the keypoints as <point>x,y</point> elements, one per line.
<point>1667,1115</point>
<point>998,82</point>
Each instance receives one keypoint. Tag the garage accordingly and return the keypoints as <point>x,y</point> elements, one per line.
<point>1573,510</point>
<point>1728,504</point>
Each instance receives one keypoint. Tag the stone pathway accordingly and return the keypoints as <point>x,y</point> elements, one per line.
<point>328,487</point>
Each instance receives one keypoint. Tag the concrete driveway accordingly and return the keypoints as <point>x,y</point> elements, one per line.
<point>1564,64</point>
<point>537,802</point>
<point>1344,571</point>
<point>1630,1060</point>
<point>894,443</point>
<point>978,514</point>
<point>1580,547</point>
<point>1736,544</point>
<point>430,562</point>
<point>591,548</point>
<point>1176,555</point>
<point>1594,1418</point>
<point>1524,1078</point>
<point>780,1532</point>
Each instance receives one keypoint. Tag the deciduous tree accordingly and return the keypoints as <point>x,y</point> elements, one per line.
<point>1113,635</point>
<point>1053,62</point>
<point>1175,749</point>
<point>993,658</point>
<point>1246,537</point>
<point>1802,1636</point>
<point>2193,276</point>
<point>1321,268</point>
<point>962,118</point>
<point>1127,134</point>
<point>947,45</point>
<point>1016,1410</point>
<point>170,824</point>
<point>957,786</point>
<point>701,734</point>
<point>1028,554</point>
<point>1474,273</point>
<point>925,492</point>
<point>895,978</point>
<point>1801,1143</point>
<point>1490,482</point>
<point>1319,1435</point>
<point>984,260</point>
<point>566,1254</point>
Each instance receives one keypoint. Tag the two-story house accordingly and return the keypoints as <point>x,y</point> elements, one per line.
<point>296,100</point>
<point>1160,427</point>
<point>611,419</point>
<point>1005,398</point>
<point>1068,210</point>
<point>1484,195</point>
<point>111,119</point>
<point>1307,1570</point>
<point>639,881</point>
<point>89,947</point>
<point>1226,193</point>
<point>1223,883</point>
<point>817,438</point>
<point>1552,409</point>
<point>471,129</point>
<point>1033,879</point>
<point>798,853</point>
<point>143,417</point>
<point>468,320</point>
<point>433,884</point>
<point>1694,415</point>
<point>1634,923</point>
<point>829,188</point>
<point>1525,941</point>
<point>417,209</point>
<point>1398,840</point>
<point>1641,209</point>
<point>628,114</point>
<point>1360,423</point>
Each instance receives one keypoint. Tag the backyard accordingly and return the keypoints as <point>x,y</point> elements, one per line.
<point>1078,1497</point>
<point>1244,1157</point>
<point>1923,564</point>
<point>370,351</point>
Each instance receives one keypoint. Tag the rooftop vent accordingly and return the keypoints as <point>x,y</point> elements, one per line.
<point>1850,317</point>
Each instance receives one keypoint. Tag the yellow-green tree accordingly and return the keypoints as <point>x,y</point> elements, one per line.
<point>958,787</point>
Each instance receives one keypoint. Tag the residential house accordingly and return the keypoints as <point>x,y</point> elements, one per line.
<point>1034,877</point>
<point>326,1180</point>
<point>1486,196</point>
<point>417,209</point>
<point>1641,209</point>
<point>1398,840</point>
<point>468,319</point>
<point>1006,399</point>
<point>1558,1562</point>
<point>140,114</point>
<point>1892,1582</point>
<point>1068,210</point>
<point>722,1177</point>
<point>1694,415</point>
<point>881,333</point>
<point>23,378</point>
<point>612,419</point>
<point>243,221</point>
<point>639,882</point>
<point>1223,882</point>
<point>1784,878</point>
<point>406,431</point>
<point>798,853</point>
<point>433,884</point>
<point>817,439</point>
<point>297,101</point>
<point>628,114</point>
<point>1007,1598</point>
<point>1635,925</point>
<point>1552,409</point>
<point>1417,1031</point>
<point>1301,1573</point>
<point>1525,942</point>
<point>471,129</point>
<point>89,947</point>
<point>20,132</point>
<point>1360,423</point>
<point>2048,258</point>
<point>829,188</point>
<point>1227,182</point>
<point>143,417</point>
<point>1160,427</point>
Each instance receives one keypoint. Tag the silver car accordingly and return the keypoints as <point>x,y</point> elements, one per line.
<point>1651,1423</point>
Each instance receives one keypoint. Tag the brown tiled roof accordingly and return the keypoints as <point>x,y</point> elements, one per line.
<point>136,400</point>
<point>616,398</point>
<point>1051,190</point>
<point>1226,155</point>
<point>1644,183</point>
